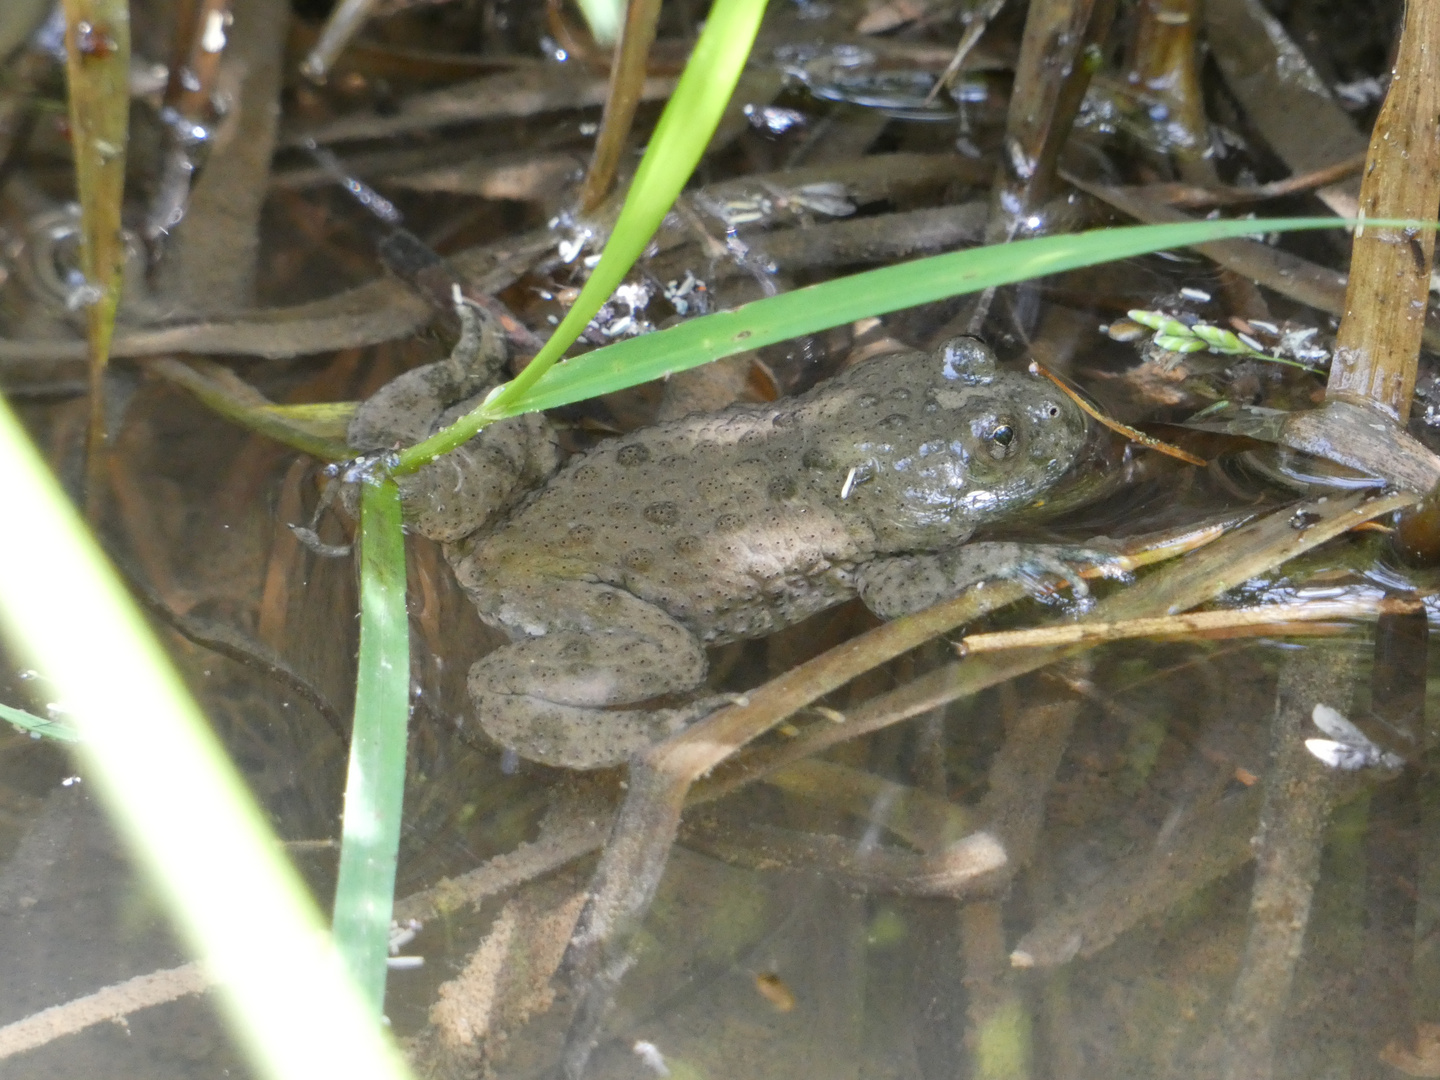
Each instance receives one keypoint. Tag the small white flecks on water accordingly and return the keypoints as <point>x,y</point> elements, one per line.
<point>650,1054</point>
<point>213,40</point>
<point>568,249</point>
<point>401,934</point>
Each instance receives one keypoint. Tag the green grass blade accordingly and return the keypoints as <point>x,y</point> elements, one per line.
<point>375,787</point>
<point>680,138</point>
<point>874,292</point>
<point>38,725</point>
<point>173,794</point>
<point>831,303</point>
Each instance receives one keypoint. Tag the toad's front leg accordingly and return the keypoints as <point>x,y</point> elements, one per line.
<point>559,694</point>
<point>460,492</point>
<point>902,584</point>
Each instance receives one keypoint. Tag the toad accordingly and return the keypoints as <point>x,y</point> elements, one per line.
<point>612,577</point>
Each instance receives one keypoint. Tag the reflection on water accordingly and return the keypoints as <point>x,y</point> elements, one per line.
<point>1130,783</point>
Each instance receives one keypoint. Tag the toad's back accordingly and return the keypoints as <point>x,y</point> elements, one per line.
<point>709,518</point>
<point>745,521</point>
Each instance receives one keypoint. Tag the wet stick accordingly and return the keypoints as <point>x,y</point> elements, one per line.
<point>97,69</point>
<point>1057,56</point>
<point>344,23</point>
<point>1164,63</point>
<point>1377,348</point>
<point>627,80</point>
<point>998,1026</point>
<point>204,225</point>
<point>1207,846</point>
<point>1299,795</point>
<point>1059,52</point>
<point>1425,959</point>
<point>201,40</point>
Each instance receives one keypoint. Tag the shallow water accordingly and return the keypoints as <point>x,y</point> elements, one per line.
<point>1132,932</point>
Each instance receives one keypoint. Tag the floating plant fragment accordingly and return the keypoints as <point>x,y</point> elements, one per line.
<point>1175,335</point>
<point>1348,748</point>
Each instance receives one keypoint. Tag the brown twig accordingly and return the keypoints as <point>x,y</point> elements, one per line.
<point>343,24</point>
<point>554,848</point>
<point>526,92</point>
<point>1133,434</point>
<point>1274,616</point>
<point>1057,55</point>
<point>109,1004</point>
<point>959,869</point>
<point>202,224</point>
<point>627,80</point>
<point>976,21</point>
<point>1283,96</point>
<point>1207,847</point>
<point>1299,794</point>
<point>1203,197</point>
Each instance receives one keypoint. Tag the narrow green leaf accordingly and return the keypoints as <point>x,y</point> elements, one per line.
<point>150,754</point>
<point>38,725</point>
<point>375,785</point>
<point>680,138</point>
<point>832,303</point>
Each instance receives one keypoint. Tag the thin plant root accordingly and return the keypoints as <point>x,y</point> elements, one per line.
<point>112,1003</point>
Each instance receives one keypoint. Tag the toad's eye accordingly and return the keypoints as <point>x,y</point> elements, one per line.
<point>1001,439</point>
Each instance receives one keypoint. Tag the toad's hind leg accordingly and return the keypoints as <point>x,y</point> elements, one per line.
<point>560,698</point>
